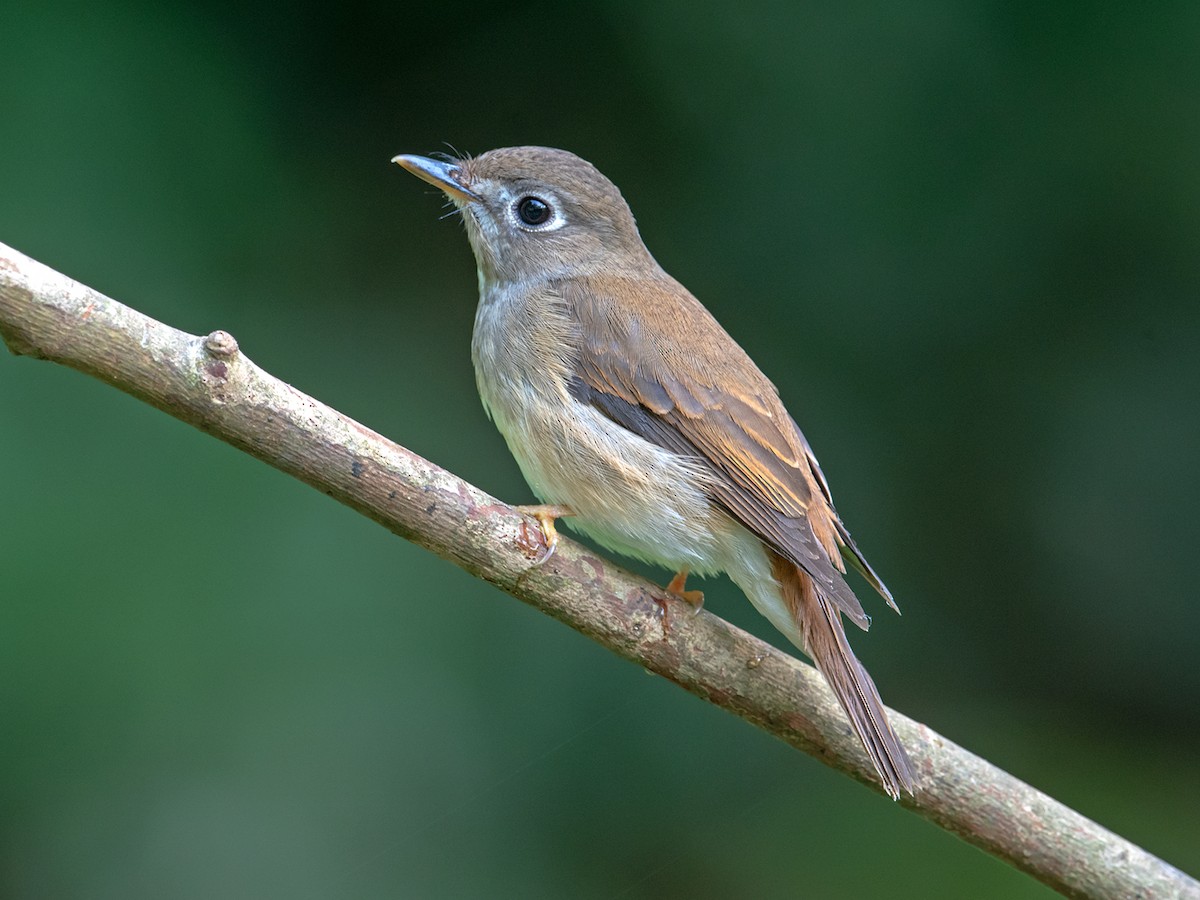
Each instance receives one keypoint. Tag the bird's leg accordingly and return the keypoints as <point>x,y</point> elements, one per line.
<point>676,588</point>
<point>545,515</point>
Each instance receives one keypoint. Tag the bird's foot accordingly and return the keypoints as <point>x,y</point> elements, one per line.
<point>545,514</point>
<point>676,586</point>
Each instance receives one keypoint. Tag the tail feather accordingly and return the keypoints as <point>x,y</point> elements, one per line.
<point>825,641</point>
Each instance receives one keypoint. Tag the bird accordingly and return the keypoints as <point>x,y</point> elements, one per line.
<point>636,417</point>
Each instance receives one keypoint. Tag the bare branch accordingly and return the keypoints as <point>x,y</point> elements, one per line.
<point>207,382</point>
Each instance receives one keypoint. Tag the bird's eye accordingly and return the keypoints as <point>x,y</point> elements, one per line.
<point>533,211</point>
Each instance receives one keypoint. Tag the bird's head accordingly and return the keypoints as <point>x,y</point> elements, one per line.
<point>535,213</point>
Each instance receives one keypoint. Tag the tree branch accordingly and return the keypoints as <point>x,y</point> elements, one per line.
<point>207,382</point>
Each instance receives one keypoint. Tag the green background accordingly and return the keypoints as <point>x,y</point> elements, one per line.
<point>963,239</point>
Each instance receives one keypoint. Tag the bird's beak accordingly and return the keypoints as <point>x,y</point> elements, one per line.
<point>444,176</point>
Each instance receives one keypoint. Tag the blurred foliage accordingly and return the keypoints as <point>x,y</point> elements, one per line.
<point>961,238</point>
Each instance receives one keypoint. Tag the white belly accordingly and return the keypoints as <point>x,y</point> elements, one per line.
<point>630,495</point>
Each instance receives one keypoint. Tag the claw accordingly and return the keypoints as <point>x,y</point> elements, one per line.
<point>545,516</point>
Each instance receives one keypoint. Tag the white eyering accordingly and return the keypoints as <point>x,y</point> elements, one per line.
<point>556,221</point>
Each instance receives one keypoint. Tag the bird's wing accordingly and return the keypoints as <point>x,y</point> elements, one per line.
<point>685,385</point>
<point>850,551</point>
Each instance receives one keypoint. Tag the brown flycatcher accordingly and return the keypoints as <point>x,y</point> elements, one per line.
<point>629,409</point>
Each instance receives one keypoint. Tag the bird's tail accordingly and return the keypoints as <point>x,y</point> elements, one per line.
<point>825,641</point>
